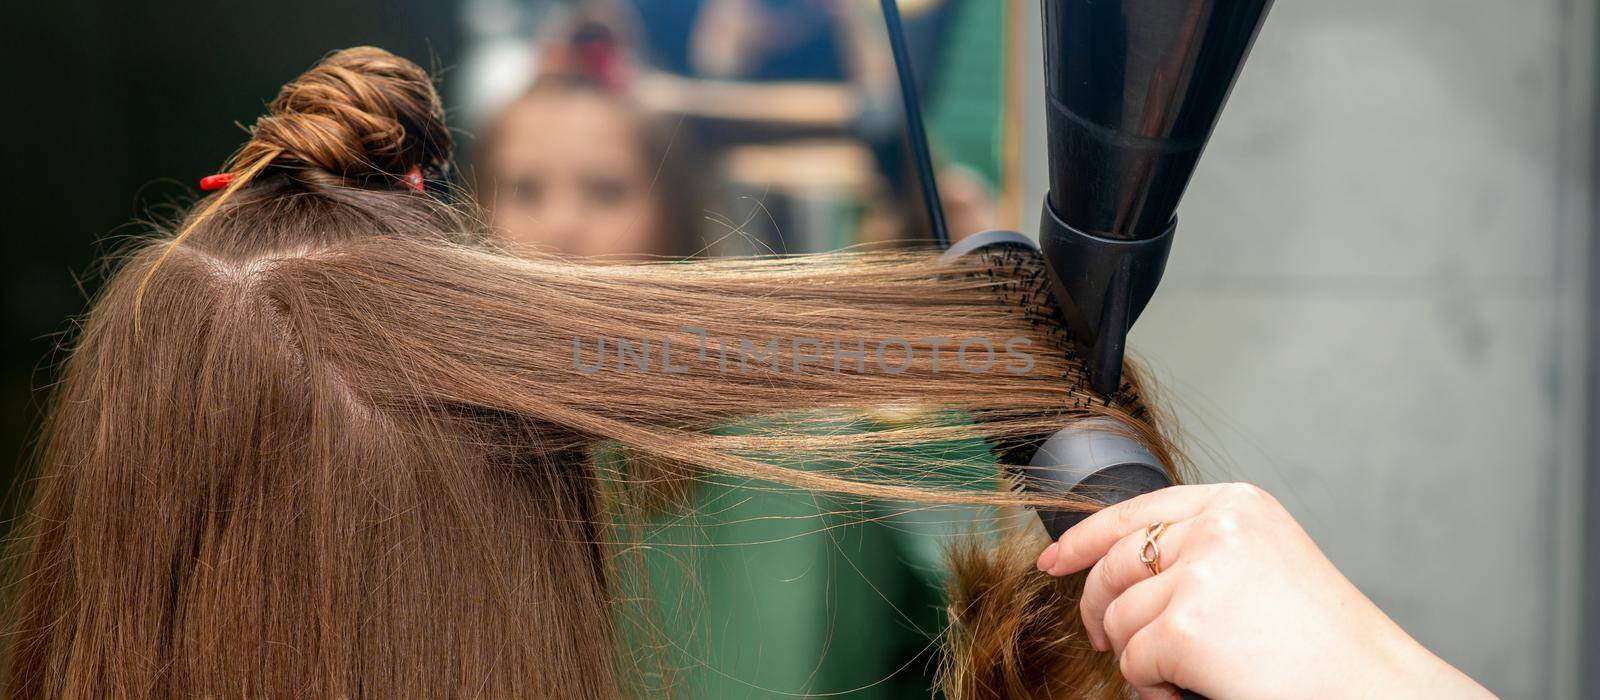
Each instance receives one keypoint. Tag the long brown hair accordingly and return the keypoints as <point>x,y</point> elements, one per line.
<point>325,441</point>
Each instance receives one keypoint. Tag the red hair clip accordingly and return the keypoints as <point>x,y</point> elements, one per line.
<point>219,181</point>
<point>215,182</point>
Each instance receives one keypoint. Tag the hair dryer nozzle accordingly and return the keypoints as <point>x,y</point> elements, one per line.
<point>1101,286</point>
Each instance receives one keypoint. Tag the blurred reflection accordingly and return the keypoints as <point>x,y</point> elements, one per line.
<point>575,168</point>
<point>575,165</point>
<point>791,107</point>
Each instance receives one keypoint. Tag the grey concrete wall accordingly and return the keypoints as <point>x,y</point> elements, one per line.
<point>1376,308</point>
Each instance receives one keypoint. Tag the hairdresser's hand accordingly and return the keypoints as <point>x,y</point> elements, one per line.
<point>1245,605</point>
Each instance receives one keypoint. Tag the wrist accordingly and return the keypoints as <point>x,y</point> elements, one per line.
<point>1411,670</point>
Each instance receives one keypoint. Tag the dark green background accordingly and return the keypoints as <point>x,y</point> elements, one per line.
<point>112,111</point>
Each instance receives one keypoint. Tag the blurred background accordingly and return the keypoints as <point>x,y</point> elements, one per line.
<point>1381,304</point>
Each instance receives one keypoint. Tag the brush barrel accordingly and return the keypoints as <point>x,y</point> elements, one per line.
<point>1092,460</point>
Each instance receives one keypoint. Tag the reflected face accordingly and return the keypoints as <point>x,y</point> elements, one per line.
<point>570,174</point>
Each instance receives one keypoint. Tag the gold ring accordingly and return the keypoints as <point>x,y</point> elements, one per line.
<point>1150,552</point>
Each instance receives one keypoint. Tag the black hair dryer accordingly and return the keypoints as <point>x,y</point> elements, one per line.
<point>1134,88</point>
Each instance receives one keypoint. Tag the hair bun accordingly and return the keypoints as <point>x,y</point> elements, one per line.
<point>361,113</point>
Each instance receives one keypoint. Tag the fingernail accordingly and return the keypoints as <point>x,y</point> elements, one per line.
<point>1098,642</point>
<point>1048,557</point>
<point>1058,567</point>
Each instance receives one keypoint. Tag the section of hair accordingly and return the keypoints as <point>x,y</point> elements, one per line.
<point>1015,631</point>
<point>324,441</point>
<point>221,515</point>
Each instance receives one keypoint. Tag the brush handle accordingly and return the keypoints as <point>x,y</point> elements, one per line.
<point>1098,460</point>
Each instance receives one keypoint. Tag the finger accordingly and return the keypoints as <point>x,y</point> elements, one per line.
<point>1119,569</point>
<point>1135,609</point>
<point>1088,541</point>
<point>1160,692</point>
<point>1147,660</point>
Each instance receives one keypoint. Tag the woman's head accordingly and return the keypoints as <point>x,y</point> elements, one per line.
<point>324,441</point>
<point>227,510</point>
<point>574,167</point>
